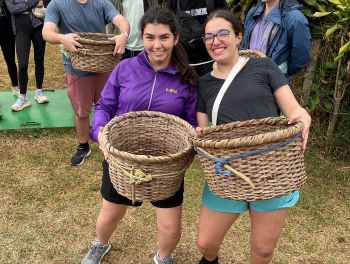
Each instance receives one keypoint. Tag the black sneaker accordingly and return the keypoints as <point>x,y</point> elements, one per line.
<point>204,261</point>
<point>79,156</point>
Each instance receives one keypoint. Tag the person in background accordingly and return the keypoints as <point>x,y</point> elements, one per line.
<point>199,10</point>
<point>27,29</point>
<point>259,90</point>
<point>63,17</point>
<point>280,30</point>
<point>7,43</point>
<point>138,84</point>
<point>132,10</point>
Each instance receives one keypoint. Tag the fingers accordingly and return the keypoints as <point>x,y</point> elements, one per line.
<point>101,143</point>
<point>112,39</point>
<point>77,44</point>
<point>75,36</point>
<point>120,43</point>
<point>292,119</point>
<point>104,151</point>
<point>70,41</point>
<point>199,130</point>
<point>116,50</point>
<point>305,136</point>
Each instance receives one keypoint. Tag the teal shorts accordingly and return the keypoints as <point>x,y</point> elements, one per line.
<point>218,204</point>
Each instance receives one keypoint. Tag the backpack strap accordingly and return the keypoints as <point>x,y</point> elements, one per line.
<point>234,71</point>
<point>178,8</point>
<point>210,6</point>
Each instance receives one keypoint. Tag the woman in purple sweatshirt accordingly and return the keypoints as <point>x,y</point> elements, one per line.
<point>158,79</point>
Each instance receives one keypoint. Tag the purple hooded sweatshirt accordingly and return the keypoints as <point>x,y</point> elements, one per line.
<point>134,85</point>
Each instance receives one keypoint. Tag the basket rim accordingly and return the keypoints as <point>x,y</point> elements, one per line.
<point>249,141</point>
<point>147,158</point>
<point>83,40</point>
<point>250,52</point>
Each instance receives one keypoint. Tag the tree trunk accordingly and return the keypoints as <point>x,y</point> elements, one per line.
<point>309,74</point>
<point>334,118</point>
<point>339,92</point>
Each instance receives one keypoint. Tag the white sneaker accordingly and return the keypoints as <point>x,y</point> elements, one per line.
<point>96,253</point>
<point>40,97</point>
<point>22,102</point>
<point>158,260</point>
<point>15,91</point>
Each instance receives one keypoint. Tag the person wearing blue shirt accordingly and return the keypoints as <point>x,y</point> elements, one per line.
<point>62,19</point>
<point>280,30</point>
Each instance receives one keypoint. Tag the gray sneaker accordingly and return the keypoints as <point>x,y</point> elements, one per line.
<point>96,253</point>
<point>166,260</point>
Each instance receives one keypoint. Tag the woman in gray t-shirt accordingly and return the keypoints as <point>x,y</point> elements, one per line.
<point>259,90</point>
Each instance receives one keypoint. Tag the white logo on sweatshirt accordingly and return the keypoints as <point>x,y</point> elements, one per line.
<point>198,12</point>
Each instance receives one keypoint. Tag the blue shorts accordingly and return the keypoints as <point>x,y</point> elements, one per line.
<point>218,204</point>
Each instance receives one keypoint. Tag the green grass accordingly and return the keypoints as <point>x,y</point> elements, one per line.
<point>48,209</point>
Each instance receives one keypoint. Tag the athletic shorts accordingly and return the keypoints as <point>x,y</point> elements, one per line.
<point>111,195</point>
<point>84,91</point>
<point>218,204</point>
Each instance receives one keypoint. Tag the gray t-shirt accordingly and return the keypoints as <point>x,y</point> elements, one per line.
<point>249,96</point>
<point>71,16</point>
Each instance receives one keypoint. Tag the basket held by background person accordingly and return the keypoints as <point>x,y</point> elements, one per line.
<point>96,55</point>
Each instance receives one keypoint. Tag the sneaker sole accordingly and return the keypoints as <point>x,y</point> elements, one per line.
<point>155,261</point>
<point>87,155</point>
<point>21,108</point>
<point>41,101</point>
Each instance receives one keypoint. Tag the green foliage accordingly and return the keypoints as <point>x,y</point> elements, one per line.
<point>339,11</point>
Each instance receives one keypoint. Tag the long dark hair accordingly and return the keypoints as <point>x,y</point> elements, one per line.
<point>162,15</point>
<point>229,17</point>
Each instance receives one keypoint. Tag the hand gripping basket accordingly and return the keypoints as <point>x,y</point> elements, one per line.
<point>252,160</point>
<point>148,154</point>
<point>96,55</point>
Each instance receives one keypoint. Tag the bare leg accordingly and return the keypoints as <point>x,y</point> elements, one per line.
<point>213,227</point>
<point>169,229</point>
<point>108,219</point>
<point>266,230</point>
<point>82,128</point>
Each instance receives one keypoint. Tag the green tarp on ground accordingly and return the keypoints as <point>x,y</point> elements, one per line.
<point>57,113</point>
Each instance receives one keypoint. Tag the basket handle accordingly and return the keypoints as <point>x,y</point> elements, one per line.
<point>86,52</point>
<point>235,172</point>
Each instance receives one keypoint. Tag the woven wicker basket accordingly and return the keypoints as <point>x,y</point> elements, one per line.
<point>96,55</point>
<point>149,153</point>
<point>252,160</point>
<point>252,53</point>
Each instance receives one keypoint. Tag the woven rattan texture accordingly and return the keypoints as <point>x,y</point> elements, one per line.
<point>252,53</point>
<point>96,55</point>
<point>273,174</point>
<point>150,143</point>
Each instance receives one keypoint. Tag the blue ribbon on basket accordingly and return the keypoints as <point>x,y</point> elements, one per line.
<point>219,163</point>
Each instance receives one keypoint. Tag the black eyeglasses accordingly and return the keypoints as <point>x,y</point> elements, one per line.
<point>222,34</point>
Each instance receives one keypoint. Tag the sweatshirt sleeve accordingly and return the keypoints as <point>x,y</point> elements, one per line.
<point>300,42</point>
<point>20,6</point>
<point>107,106</point>
<point>189,111</point>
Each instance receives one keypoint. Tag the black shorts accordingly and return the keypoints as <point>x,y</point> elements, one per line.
<point>111,195</point>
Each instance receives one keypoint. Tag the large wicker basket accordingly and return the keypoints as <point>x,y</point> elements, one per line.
<point>252,160</point>
<point>96,55</point>
<point>149,153</point>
